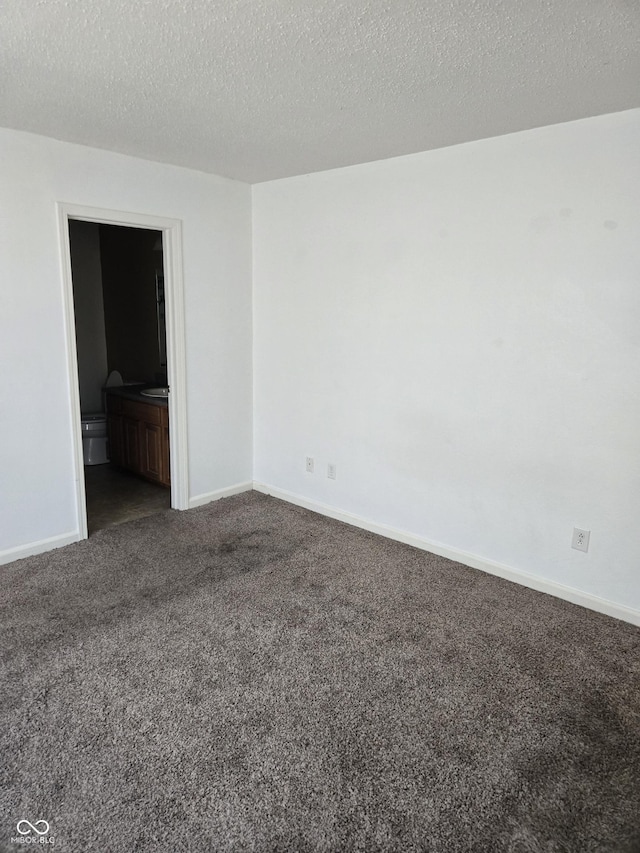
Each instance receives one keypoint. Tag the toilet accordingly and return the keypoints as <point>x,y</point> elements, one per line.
<point>94,439</point>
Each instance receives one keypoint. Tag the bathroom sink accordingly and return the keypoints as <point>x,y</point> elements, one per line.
<point>155,392</point>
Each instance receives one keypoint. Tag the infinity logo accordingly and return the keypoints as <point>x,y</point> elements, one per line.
<point>33,826</point>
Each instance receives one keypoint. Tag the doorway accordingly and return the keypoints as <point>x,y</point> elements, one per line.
<point>125,345</point>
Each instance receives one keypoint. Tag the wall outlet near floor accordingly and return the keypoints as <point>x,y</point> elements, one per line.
<point>580,540</point>
<point>331,470</point>
<point>308,464</point>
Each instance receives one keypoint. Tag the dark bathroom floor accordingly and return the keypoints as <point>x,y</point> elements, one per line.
<point>115,496</point>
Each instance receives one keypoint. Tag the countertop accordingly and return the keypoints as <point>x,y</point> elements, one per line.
<point>132,392</point>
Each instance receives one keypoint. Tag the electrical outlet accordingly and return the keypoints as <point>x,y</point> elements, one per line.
<point>580,540</point>
<point>309,464</point>
<point>331,470</point>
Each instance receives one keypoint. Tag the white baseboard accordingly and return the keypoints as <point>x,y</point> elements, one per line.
<point>200,500</point>
<point>576,596</point>
<point>43,545</point>
<point>39,547</point>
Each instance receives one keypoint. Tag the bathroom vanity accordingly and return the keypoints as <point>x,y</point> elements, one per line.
<point>138,429</point>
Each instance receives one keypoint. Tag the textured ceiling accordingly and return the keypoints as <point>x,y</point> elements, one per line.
<point>262,89</point>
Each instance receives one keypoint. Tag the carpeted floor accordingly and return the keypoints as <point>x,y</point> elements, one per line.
<point>249,676</point>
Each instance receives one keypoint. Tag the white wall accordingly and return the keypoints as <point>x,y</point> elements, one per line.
<point>37,497</point>
<point>459,332</point>
<point>91,340</point>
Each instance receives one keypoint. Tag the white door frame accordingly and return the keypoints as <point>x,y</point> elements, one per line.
<point>176,347</point>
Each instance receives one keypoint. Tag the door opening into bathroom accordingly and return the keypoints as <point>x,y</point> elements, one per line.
<point>125,340</point>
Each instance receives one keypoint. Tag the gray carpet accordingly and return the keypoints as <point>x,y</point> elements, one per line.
<point>251,676</point>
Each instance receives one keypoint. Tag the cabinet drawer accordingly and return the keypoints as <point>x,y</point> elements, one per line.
<point>142,411</point>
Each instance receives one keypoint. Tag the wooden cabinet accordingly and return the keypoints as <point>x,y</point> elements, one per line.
<point>139,437</point>
<point>131,440</point>
<point>151,447</point>
<point>166,467</point>
<point>115,436</point>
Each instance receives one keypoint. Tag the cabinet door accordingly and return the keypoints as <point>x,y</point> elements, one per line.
<point>116,444</point>
<point>166,467</point>
<point>151,447</point>
<point>131,440</point>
